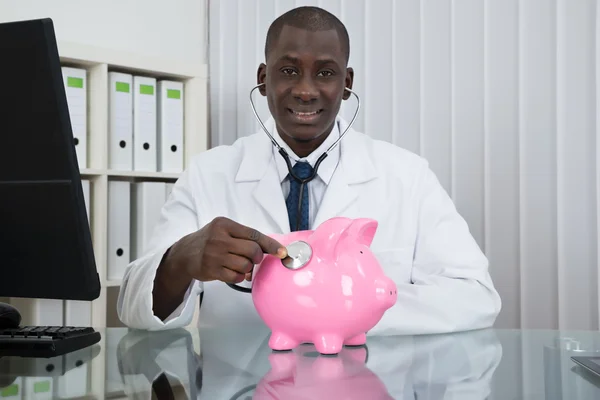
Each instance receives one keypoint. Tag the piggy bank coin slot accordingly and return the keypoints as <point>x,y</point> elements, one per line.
<point>299,254</point>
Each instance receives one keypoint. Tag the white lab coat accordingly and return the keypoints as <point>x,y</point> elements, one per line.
<point>422,243</point>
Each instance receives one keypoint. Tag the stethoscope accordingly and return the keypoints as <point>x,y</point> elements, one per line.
<point>284,153</point>
<point>298,252</point>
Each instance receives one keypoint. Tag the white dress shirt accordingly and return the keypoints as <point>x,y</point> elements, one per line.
<point>316,187</point>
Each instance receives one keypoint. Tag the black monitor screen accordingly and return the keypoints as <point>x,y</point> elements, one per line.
<point>45,242</point>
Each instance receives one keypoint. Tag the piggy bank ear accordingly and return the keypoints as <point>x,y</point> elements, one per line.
<point>328,234</point>
<point>362,231</point>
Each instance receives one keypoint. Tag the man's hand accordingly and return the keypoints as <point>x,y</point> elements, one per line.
<point>223,250</point>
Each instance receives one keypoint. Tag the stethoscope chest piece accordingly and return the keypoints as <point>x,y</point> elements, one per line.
<point>299,254</point>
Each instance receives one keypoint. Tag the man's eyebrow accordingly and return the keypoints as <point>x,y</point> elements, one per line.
<point>320,61</point>
<point>288,58</point>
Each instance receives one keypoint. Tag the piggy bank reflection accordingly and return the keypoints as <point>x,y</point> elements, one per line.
<point>306,374</point>
<point>338,294</point>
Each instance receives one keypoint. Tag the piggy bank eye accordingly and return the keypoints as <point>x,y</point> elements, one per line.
<point>361,252</point>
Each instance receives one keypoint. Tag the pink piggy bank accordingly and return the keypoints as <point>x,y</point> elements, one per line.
<point>338,293</point>
<point>300,375</point>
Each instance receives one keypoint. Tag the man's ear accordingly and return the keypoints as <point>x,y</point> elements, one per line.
<point>261,77</point>
<point>348,82</point>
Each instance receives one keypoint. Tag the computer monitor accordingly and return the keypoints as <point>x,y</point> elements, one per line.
<point>45,242</point>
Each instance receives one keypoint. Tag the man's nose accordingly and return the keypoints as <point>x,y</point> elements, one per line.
<point>305,90</point>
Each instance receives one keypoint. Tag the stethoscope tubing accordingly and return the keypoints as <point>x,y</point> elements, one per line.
<point>288,163</point>
<point>282,151</point>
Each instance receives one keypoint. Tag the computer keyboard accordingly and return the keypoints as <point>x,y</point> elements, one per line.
<point>45,341</point>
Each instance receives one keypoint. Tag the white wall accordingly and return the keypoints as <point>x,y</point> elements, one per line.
<point>499,96</point>
<point>156,28</point>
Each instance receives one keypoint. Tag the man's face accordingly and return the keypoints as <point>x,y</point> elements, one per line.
<point>304,81</point>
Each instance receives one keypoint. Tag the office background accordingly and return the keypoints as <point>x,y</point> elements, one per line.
<point>499,96</point>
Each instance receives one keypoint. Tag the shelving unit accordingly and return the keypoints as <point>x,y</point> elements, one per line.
<point>98,63</point>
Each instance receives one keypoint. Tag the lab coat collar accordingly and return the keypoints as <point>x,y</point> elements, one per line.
<point>352,151</point>
<point>259,164</point>
<point>327,167</point>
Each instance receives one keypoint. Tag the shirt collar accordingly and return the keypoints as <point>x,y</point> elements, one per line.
<point>326,168</point>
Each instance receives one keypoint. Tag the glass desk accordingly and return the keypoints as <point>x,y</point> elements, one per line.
<point>227,364</point>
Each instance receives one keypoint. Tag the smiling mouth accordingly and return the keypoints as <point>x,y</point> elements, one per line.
<point>305,115</point>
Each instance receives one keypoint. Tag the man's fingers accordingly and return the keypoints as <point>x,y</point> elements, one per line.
<point>230,276</point>
<point>247,249</point>
<point>266,243</point>
<point>238,264</point>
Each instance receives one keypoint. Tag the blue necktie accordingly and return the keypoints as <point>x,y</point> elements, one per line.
<point>303,170</point>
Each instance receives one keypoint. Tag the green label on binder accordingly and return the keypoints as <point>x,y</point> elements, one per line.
<point>75,82</point>
<point>173,94</point>
<point>147,89</point>
<point>10,391</point>
<point>123,87</point>
<point>41,387</point>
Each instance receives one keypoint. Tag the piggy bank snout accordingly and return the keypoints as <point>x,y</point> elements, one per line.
<point>387,292</point>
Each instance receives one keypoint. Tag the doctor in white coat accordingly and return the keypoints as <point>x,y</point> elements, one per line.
<point>214,226</point>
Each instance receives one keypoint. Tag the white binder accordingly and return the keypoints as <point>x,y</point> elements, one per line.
<point>41,312</point>
<point>144,124</point>
<point>38,388</point>
<point>120,121</point>
<point>73,383</point>
<point>170,126</point>
<point>148,199</point>
<point>75,82</point>
<point>14,391</point>
<point>85,186</point>
<point>113,378</point>
<point>119,195</point>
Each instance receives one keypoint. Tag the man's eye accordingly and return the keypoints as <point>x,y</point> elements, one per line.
<point>325,73</point>
<point>288,71</point>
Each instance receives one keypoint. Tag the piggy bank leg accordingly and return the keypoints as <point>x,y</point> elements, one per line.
<point>329,344</point>
<point>359,340</point>
<point>281,342</point>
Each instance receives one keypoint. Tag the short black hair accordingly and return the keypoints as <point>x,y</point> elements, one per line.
<point>312,19</point>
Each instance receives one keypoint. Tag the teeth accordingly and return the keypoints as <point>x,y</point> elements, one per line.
<point>305,114</point>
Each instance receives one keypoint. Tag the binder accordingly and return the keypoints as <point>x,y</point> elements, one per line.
<point>38,388</point>
<point>73,383</point>
<point>85,186</point>
<point>75,83</point>
<point>113,379</point>
<point>14,391</point>
<point>144,124</point>
<point>119,195</point>
<point>120,121</point>
<point>148,199</point>
<point>170,126</point>
<point>41,312</point>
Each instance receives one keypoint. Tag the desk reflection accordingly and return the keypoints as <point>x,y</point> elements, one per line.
<point>240,366</point>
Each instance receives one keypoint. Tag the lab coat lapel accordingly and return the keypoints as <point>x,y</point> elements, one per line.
<point>269,196</point>
<point>258,166</point>
<point>354,169</point>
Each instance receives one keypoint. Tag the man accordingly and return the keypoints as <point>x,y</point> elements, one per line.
<point>214,227</point>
